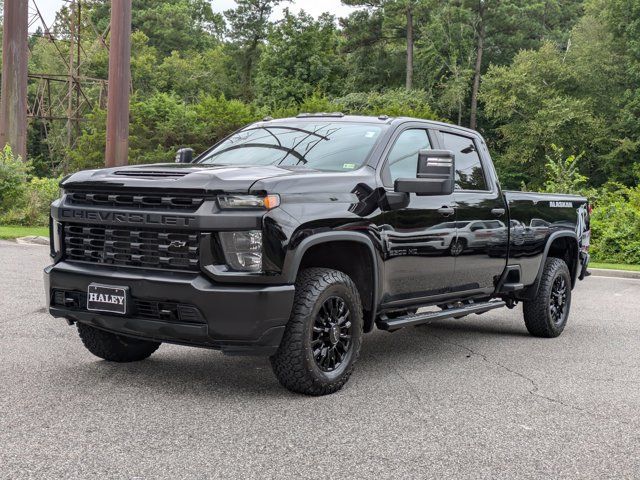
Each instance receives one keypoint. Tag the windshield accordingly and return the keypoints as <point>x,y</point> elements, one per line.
<point>331,146</point>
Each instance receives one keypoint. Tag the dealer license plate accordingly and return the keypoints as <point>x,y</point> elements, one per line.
<point>107,298</point>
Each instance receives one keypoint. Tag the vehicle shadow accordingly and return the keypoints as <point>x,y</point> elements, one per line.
<point>179,371</point>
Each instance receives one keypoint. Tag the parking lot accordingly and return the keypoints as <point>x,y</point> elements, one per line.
<point>470,398</point>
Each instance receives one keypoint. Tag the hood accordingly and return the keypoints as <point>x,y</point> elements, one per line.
<point>203,178</point>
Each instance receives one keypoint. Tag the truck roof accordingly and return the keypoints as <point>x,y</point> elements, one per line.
<point>382,119</point>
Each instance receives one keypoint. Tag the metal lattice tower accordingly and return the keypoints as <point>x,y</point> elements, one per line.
<point>64,99</point>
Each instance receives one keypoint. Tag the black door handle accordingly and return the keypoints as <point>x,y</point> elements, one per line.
<point>446,211</point>
<point>498,212</point>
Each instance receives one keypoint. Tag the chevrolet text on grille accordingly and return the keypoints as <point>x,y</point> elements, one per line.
<point>123,217</point>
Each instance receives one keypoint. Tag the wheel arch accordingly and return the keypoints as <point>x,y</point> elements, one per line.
<point>562,245</point>
<point>349,252</point>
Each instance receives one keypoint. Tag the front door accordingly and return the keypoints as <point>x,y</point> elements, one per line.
<point>417,239</point>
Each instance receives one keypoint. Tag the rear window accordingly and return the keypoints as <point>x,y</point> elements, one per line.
<point>330,146</point>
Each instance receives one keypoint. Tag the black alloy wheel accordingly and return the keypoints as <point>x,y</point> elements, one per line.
<point>558,300</point>
<point>331,334</point>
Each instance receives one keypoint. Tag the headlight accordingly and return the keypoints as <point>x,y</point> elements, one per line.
<point>250,202</point>
<point>243,250</point>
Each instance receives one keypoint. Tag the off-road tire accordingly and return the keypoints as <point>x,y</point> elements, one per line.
<point>537,312</point>
<point>293,363</point>
<point>115,348</point>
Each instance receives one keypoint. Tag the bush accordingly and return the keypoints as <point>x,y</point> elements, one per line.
<point>13,178</point>
<point>24,200</point>
<point>40,192</point>
<point>615,225</point>
<point>562,174</point>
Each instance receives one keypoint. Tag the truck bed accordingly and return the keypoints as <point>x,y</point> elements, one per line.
<point>534,218</point>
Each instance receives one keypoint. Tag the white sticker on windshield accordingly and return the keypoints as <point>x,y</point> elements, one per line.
<point>349,166</point>
<point>370,134</point>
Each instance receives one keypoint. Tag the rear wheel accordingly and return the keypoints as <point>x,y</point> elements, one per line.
<point>322,340</point>
<point>115,348</point>
<point>547,314</point>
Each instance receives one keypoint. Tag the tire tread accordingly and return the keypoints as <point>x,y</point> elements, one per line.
<point>536,312</point>
<point>115,348</point>
<point>289,363</point>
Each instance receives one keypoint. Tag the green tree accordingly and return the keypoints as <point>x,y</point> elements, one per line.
<point>249,25</point>
<point>562,174</point>
<point>170,24</point>
<point>375,62</point>
<point>399,21</point>
<point>534,103</point>
<point>301,57</point>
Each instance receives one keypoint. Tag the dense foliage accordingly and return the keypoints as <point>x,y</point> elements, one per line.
<point>24,198</point>
<point>554,85</point>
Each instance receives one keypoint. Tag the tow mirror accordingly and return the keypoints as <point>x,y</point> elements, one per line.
<point>184,155</point>
<point>435,174</point>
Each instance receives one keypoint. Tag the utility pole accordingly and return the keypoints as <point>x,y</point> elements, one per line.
<point>119,83</point>
<point>13,101</point>
<point>72,71</point>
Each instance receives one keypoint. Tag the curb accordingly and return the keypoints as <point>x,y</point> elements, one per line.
<point>600,272</point>
<point>32,240</point>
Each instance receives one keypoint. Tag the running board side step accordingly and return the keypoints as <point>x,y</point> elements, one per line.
<point>389,324</point>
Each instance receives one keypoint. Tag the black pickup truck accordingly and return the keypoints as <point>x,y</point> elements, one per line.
<point>292,238</point>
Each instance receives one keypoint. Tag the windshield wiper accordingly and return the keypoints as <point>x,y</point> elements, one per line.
<point>283,127</point>
<point>289,151</point>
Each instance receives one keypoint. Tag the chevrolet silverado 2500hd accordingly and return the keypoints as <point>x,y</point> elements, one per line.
<point>292,238</point>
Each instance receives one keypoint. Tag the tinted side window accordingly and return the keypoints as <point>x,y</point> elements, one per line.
<point>403,157</point>
<point>469,173</point>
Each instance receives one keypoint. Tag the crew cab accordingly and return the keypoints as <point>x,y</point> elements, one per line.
<point>292,238</point>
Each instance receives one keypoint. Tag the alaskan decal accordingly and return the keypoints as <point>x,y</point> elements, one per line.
<point>561,204</point>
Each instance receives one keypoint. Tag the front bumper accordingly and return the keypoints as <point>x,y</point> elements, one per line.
<point>237,319</point>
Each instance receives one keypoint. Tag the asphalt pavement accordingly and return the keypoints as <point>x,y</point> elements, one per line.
<point>471,398</point>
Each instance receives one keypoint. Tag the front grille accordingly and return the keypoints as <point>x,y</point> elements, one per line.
<point>131,247</point>
<point>147,201</point>
<point>152,309</point>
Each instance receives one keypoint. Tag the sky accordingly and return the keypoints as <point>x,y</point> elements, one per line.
<point>48,8</point>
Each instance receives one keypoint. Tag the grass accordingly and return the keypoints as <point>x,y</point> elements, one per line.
<point>615,266</point>
<point>8,232</point>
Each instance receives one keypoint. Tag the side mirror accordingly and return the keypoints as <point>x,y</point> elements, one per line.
<point>435,174</point>
<point>184,155</point>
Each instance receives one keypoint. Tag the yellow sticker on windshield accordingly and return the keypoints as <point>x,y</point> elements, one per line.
<point>349,166</point>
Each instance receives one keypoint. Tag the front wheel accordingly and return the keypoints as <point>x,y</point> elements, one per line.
<point>321,342</point>
<point>115,348</point>
<point>546,315</point>
<point>457,247</point>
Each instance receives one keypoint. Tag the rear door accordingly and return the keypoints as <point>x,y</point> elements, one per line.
<point>417,239</point>
<point>482,247</point>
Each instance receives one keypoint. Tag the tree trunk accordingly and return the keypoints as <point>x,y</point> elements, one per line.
<point>409,84</point>
<point>473,123</point>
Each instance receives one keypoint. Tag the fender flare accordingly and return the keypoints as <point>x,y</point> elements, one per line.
<point>533,290</point>
<point>294,258</point>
